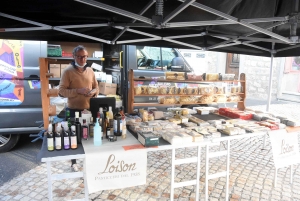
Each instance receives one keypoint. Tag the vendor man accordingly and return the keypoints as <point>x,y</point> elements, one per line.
<point>78,83</point>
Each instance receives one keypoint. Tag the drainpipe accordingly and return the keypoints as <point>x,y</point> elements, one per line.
<point>270,78</point>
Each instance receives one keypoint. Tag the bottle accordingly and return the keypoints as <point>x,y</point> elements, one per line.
<point>84,129</point>
<point>101,116</point>
<point>73,137</point>
<point>58,141</point>
<point>118,124</point>
<point>111,117</point>
<point>66,135</point>
<point>91,127</point>
<point>97,134</point>
<point>50,139</point>
<point>78,128</point>
<point>53,125</point>
<point>107,126</point>
<point>67,113</point>
<point>124,129</point>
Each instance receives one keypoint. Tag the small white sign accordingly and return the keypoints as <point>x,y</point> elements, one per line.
<point>7,68</point>
<point>285,148</point>
<point>96,66</point>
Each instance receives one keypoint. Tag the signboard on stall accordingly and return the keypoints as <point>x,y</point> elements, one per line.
<point>285,148</point>
<point>111,166</point>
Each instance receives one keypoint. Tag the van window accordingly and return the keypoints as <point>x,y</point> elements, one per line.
<point>154,58</point>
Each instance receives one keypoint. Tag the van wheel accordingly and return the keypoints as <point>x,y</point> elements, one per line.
<point>8,141</point>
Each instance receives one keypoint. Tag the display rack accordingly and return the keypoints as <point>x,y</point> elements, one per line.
<point>46,78</point>
<point>132,104</point>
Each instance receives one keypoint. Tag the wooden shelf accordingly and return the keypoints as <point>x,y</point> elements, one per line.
<point>132,104</point>
<point>184,81</point>
<point>71,58</point>
<point>178,104</point>
<point>183,94</point>
<point>58,79</point>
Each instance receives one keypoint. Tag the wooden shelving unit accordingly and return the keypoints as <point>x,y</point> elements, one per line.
<point>132,104</point>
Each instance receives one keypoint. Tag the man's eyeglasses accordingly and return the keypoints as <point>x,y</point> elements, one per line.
<point>81,57</point>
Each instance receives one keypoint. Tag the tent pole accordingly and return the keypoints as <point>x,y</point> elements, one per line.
<point>270,79</point>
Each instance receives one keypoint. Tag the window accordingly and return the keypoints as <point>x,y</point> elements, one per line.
<point>235,61</point>
<point>189,55</point>
<point>200,56</point>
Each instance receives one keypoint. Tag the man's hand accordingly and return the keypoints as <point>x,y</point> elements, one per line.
<point>92,93</point>
<point>83,91</point>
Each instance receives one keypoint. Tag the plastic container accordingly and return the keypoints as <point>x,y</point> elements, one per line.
<point>97,134</point>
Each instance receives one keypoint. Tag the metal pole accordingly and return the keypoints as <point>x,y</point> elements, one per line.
<point>270,78</point>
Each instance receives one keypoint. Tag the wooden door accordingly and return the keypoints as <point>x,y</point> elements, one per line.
<point>233,64</point>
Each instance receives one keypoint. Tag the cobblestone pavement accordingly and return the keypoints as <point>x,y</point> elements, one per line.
<point>251,176</point>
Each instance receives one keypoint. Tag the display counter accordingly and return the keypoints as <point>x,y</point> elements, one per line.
<point>132,142</point>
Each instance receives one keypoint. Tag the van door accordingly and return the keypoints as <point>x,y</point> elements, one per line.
<point>20,94</point>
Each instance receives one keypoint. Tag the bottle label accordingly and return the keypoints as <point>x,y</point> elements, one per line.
<point>50,144</point>
<point>73,142</point>
<point>91,131</point>
<point>116,126</point>
<point>66,143</point>
<point>58,142</point>
<point>85,133</point>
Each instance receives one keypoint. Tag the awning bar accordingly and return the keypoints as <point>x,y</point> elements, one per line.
<point>26,29</point>
<point>267,19</point>
<point>288,48</point>
<point>224,22</point>
<point>267,27</point>
<point>245,35</point>
<point>24,20</point>
<point>82,26</point>
<point>178,10</point>
<point>137,40</point>
<point>257,47</point>
<point>134,20</point>
<point>139,32</point>
<point>81,35</point>
<point>181,43</point>
<point>242,22</point>
<point>185,36</point>
<point>115,10</point>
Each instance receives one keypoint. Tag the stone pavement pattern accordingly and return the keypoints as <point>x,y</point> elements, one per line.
<point>251,176</point>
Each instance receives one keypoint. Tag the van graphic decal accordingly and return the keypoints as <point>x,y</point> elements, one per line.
<point>11,72</point>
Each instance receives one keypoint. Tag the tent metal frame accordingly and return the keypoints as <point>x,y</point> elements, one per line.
<point>229,40</point>
<point>147,22</point>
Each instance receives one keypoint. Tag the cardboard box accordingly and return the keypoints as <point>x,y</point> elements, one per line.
<point>148,139</point>
<point>55,69</point>
<point>62,67</point>
<point>107,88</point>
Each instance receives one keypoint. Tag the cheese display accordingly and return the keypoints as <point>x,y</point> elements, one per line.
<point>183,128</point>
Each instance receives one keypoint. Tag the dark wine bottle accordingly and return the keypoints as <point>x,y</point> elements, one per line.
<point>91,127</point>
<point>118,124</point>
<point>73,137</point>
<point>78,128</point>
<point>58,138</point>
<point>66,136</point>
<point>50,139</point>
<point>85,130</point>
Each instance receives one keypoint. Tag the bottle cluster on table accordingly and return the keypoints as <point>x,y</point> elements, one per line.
<point>68,134</point>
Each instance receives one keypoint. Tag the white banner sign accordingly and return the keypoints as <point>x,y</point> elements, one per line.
<point>113,167</point>
<point>285,148</point>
